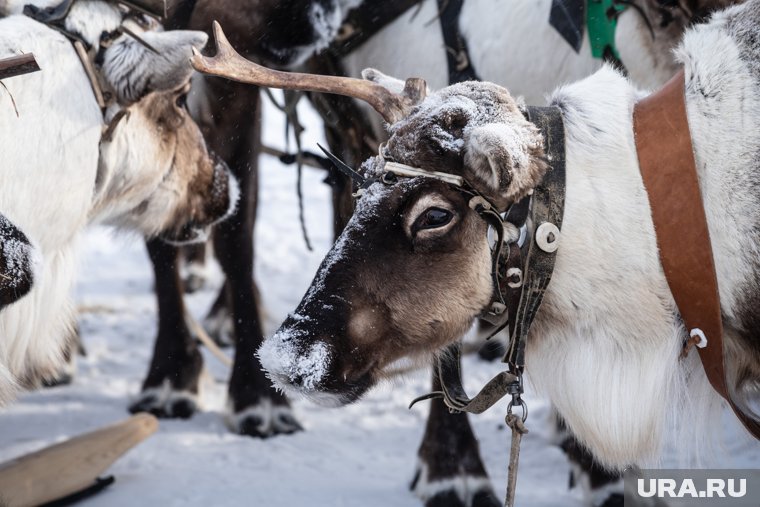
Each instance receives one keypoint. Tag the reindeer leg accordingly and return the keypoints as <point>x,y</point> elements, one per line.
<point>171,386</point>
<point>255,407</point>
<point>601,488</point>
<point>450,471</point>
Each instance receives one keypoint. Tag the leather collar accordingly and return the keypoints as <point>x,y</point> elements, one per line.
<point>666,161</point>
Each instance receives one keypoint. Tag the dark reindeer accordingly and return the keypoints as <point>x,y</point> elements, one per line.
<point>229,116</point>
<point>421,234</point>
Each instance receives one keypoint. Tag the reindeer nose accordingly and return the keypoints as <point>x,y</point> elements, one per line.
<point>295,361</point>
<point>224,191</point>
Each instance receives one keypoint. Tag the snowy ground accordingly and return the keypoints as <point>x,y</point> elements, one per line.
<point>361,455</point>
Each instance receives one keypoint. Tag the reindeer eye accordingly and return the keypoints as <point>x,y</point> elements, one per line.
<point>181,101</point>
<point>432,218</point>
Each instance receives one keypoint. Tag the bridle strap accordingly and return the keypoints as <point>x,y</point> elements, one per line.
<point>366,20</point>
<point>452,391</point>
<point>458,58</point>
<point>668,169</point>
<point>546,216</point>
<point>545,213</point>
<point>54,17</point>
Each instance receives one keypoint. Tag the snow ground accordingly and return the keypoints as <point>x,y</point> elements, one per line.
<point>361,455</point>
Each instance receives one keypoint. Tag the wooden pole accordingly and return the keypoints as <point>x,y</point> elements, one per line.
<point>17,65</point>
<point>71,466</point>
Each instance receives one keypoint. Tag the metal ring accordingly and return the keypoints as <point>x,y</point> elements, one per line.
<point>519,282</point>
<point>524,407</point>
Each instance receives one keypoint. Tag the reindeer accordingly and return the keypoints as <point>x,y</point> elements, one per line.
<point>141,164</point>
<point>280,32</point>
<point>646,36</point>
<point>412,269</point>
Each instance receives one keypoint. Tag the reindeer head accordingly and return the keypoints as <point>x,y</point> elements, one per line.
<point>412,269</point>
<point>155,174</point>
<point>649,31</point>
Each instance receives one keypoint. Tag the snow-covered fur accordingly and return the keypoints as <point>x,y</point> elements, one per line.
<point>56,175</point>
<point>606,342</point>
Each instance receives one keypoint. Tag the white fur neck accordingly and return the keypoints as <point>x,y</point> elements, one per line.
<point>611,367</point>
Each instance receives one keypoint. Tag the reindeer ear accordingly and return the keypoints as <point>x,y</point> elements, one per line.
<point>133,70</point>
<point>505,160</point>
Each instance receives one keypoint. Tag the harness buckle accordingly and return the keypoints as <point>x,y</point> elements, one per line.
<point>497,308</point>
<point>515,388</point>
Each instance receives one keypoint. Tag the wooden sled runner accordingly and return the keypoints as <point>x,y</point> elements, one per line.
<point>68,468</point>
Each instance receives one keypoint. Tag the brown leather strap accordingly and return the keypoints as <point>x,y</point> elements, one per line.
<point>666,161</point>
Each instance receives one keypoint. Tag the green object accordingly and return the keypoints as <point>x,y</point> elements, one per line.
<point>601,23</point>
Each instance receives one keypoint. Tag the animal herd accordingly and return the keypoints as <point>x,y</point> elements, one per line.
<point>119,129</point>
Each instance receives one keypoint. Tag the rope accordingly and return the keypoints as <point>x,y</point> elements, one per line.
<point>207,341</point>
<point>292,121</point>
<point>517,426</point>
<point>13,101</point>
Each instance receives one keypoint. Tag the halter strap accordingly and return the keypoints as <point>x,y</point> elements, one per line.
<point>542,213</point>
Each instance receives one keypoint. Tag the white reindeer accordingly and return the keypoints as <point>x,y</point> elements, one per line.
<point>58,172</point>
<point>411,269</point>
<point>513,44</point>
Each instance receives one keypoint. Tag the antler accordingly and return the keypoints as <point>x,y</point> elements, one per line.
<point>228,63</point>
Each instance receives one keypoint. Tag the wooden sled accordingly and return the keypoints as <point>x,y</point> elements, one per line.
<point>66,469</point>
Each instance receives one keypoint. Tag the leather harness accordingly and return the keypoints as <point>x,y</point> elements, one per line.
<point>521,274</point>
<point>55,16</point>
<point>668,168</point>
<point>366,20</point>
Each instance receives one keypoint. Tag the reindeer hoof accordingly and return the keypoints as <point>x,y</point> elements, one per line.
<point>166,403</point>
<point>462,490</point>
<point>486,499</point>
<point>264,420</point>
<point>614,500</point>
<point>450,498</point>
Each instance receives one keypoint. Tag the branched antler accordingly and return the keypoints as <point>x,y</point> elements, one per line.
<point>230,64</point>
